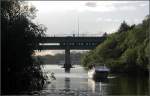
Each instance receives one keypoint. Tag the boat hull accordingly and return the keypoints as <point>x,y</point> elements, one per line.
<point>100,75</point>
<point>97,74</point>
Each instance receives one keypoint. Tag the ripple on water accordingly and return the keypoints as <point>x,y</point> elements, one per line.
<point>68,92</point>
<point>76,83</point>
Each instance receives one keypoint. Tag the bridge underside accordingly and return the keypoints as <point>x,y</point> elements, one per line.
<point>48,47</point>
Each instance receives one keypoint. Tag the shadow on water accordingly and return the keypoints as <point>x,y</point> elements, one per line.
<point>67,84</point>
<point>67,70</point>
<point>104,80</point>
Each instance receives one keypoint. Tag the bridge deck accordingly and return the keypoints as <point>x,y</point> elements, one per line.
<point>60,43</point>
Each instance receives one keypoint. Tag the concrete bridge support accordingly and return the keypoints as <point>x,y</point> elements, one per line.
<point>67,64</point>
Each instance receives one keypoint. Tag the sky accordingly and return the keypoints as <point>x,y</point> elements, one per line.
<point>94,17</point>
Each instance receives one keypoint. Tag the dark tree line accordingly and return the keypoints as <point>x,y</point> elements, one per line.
<point>20,36</point>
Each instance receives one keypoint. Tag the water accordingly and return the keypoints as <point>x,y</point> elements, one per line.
<point>76,83</point>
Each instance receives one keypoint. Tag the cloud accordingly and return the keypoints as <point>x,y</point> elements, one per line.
<point>107,20</point>
<point>143,5</point>
<point>137,20</point>
<point>95,6</point>
<point>110,6</point>
<point>99,19</point>
<point>127,8</point>
<point>90,4</point>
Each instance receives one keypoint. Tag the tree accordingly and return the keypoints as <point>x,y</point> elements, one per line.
<point>20,36</point>
<point>125,51</point>
<point>105,34</point>
<point>123,27</point>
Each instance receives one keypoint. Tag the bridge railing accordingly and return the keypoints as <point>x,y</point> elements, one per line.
<point>73,35</point>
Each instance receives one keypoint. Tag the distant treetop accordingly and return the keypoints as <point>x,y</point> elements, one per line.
<point>123,27</point>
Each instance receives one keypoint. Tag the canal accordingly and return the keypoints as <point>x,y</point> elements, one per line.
<point>76,83</point>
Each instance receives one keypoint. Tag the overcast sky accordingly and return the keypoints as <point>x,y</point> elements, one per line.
<point>95,17</point>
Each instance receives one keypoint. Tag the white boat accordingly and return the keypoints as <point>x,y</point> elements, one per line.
<point>98,72</point>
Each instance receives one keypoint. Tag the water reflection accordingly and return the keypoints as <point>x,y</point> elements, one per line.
<point>77,82</point>
<point>67,83</point>
<point>98,86</point>
<point>67,70</point>
<point>91,84</point>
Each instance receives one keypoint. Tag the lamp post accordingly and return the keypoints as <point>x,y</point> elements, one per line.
<point>78,26</point>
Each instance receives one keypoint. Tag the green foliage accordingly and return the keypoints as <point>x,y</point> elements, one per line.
<point>129,57</point>
<point>20,36</point>
<point>124,27</point>
<point>127,50</point>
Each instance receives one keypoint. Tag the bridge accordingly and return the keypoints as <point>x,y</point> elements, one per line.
<point>69,43</point>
